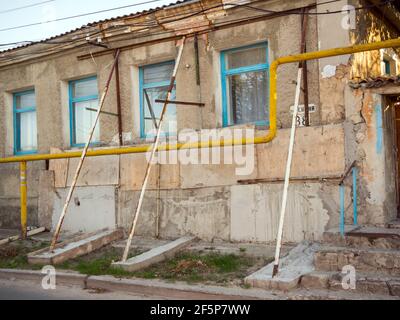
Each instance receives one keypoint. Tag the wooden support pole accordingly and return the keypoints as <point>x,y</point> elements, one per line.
<point>287,175</point>
<point>23,191</point>
<point>153,151</point>
<point>153,115</point>
<point>82,159</point>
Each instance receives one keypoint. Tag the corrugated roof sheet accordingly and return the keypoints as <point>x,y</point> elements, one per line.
<point>95,23</point>
<point>376,82</point>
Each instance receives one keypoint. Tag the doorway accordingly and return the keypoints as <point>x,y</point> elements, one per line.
<point>392,124</point>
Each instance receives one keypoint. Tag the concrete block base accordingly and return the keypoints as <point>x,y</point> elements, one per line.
<point>154,255</point>
<point>75,247</point>
<point>297,263</point>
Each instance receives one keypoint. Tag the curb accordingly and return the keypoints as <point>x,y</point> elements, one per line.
<point>157,288</point>
<point>177,290</point>
<point>63,278</point>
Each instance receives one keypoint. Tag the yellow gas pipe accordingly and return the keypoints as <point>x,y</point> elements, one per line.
<point>215,143</point>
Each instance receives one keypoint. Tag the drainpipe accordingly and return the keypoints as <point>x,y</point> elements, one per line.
<point>23,191</point>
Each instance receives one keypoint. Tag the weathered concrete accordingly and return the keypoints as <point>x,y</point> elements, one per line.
<point>178,290</point>
<point>154,255</point>
<point>255,212</point>
<point>223,173</point>
<point>365,283</point>
<point>298,262</point>
<point>383,261</point>
<point>74,248</point>
<point>204,213</point>
<point>133,168</point>
<point>266,251</point>
<point>91,209</point>
<point>60,168</point>
<point>10,212</point>
<point>98,171</point>
<point>318,151</point>
<point>46,198</point>
<point>197,199</point>
<point>69,278</point>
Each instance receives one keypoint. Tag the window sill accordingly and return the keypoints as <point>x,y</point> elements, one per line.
<point>24,153</point>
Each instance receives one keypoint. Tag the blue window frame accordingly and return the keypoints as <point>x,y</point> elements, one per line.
<point>154,81</point>
<point>25,127</point>
<point>388,70</point>
<point>245,88</point>
<point>83,100</point>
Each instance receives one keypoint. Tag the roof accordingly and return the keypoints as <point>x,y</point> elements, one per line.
<point>376,82</point>
<point>95,23</point>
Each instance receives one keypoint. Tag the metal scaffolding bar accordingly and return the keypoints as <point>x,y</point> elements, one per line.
<point>83,156</point>
<point>153,151</point>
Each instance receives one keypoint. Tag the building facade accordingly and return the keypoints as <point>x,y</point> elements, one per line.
<point>49,93</point>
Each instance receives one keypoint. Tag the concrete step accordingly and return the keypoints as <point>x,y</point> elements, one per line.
<point>365,283</point>
<point>297,263</point>
<point>365,237</point>
<point>383,261</point>
<point>155,255</point>
<point>75,247</point>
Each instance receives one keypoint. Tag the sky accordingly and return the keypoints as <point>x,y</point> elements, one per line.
<point>11,16</point>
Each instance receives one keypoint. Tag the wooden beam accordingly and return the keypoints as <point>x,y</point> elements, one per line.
<point>15,238</point>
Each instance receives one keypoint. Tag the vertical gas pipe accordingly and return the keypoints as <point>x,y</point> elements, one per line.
<point>23,190</point>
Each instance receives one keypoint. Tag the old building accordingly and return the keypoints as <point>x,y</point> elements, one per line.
<point>49,92</point>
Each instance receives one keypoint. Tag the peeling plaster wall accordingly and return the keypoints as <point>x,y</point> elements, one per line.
<point>369,141</point>
<point>255,211</point>
<point>370,28</point>
<point>206,200</point>
<point>50,76</point>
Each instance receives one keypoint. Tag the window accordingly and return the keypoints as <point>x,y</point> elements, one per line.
<point>154,82</point>
<point>83,104</point>
<point>25,129</point>
<point>245,85</point>
<point>387,67</point>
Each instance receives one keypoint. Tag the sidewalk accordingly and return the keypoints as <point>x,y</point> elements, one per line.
<point>179,290</point>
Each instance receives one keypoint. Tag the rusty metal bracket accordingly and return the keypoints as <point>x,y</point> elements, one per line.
<point>104,112</point>
<point>184,103</point>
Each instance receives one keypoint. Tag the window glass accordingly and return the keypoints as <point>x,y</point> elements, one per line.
<point>154,85</point>
<point>245,81</point>
<point>248,97</point>
<point>158,73</point>
<point>25,100</point>
<point>387,67</point>
<point>85,88</point>
<point>28,131</point>
<point>84,102</point>
<point>246,57</point>
<point>84,119</point>
<point>25,130</point>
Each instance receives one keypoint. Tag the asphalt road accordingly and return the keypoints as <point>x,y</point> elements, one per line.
<point>25,290</point>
